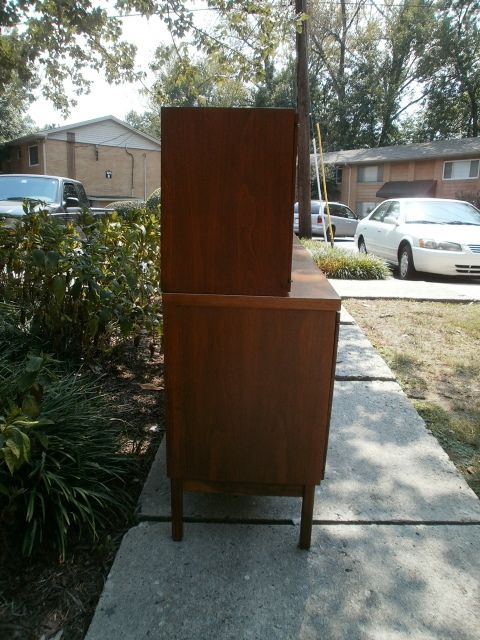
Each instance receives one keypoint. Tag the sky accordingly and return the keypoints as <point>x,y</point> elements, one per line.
<point>105,99</point>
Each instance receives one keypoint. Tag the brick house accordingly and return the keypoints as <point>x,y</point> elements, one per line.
<point>442,169</point>
<point>112,159</point>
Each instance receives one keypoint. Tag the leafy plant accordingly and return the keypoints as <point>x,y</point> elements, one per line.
<point>153,201</point>
<point>59,470</point>
<point>345,265</point>
<point>80,286</point>
<point>123,206</point>
<point>19,420</point>
<point>469,196</point>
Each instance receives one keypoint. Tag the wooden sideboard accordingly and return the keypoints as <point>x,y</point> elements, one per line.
<point>249,382</point>
<point>250,324</point>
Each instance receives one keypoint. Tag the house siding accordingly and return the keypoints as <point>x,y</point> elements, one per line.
<point>57,158</point>
<point>21,164</point>
<point>81,152</point>
<point>399,171</point>
<point>424,170</point>
<point>352,193</point>
<point>92,172</point>
<point>108,133</point>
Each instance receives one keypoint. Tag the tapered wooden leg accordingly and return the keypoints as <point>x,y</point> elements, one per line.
<point>176,489</point>
<point>307,516</point>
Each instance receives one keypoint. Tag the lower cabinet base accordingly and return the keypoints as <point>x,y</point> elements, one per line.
<point>306,492</point>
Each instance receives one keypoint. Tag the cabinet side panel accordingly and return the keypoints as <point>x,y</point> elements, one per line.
<point>248,393</point>
<point>227,200</point>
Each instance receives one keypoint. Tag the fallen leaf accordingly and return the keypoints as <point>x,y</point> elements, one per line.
<point>150,386</point>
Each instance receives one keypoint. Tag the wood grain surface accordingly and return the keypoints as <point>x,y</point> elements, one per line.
<point>227,200</point>
<point>248,392</point>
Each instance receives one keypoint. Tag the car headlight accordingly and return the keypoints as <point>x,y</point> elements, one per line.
<point>442,246</point>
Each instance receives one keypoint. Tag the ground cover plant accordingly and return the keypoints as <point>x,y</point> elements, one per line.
<point>78,286</point>
<point>42,594</point>
<point>80,408</point>
<point>432,348</point>
<point>60,472</point>
<point>346,265</point>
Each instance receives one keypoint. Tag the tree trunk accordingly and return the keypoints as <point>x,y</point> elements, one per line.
<point>303,108</point>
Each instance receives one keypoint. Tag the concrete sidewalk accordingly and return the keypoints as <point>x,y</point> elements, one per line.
<point>441,290</point>
<point>394,545</point>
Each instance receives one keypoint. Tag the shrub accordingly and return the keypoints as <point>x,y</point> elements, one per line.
<point>59,472</point>
<point>153,201</point>
<point>469,196</point>
<point>123,206</point>
<point>345,265</point>
<point>80,286</point>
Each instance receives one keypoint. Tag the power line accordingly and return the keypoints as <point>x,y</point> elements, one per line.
<point>354,3</point>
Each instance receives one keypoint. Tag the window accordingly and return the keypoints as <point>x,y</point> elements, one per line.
<point>75,190</point>
<point>338,175</point>
<point>392,214</point>
<point>381,212</point>
<point>341,211</point>
<point>81,195</point>
<point>461,170</point>
<point>33,187</point>
<point>33,155</point>
<point>372,173</point>
<point>364,208</point>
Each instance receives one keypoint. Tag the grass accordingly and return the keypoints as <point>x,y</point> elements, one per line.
<point>346,265</point>
<point>432,348</point>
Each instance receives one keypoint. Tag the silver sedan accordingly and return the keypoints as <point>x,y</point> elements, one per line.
<point>344,221</point>
<point>424,234</point>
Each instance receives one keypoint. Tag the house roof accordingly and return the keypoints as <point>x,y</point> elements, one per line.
<point>444,149</point>
<point>45,133</point>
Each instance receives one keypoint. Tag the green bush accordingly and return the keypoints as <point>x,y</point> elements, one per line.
<point>78,287</point>
<point>59,473</point>
<point>469,196</point>
<point>123,206</point>
<point>345,265</point>
<point>153,201</point>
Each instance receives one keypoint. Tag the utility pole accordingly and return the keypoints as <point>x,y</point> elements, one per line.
<point>303,108</point>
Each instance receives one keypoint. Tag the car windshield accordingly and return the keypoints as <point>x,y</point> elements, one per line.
<point>441,213</point>
<point>20,187</point>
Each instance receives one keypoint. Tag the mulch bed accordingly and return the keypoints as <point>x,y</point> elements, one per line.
<point>43,598</point>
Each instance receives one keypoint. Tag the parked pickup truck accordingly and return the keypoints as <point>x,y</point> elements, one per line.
<point>63,197</point>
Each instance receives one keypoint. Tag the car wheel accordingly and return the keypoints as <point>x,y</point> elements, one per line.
<point>362,247</point>
<point>406,268</point>
<point>329,236</point>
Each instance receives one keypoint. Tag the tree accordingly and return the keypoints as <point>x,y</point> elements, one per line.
<point>243,34</point>
<point>303,116</point>
<point>13,123</point>
<point>245,38</point>
<point>148,122</point>
<point>201,81</point>
<point>451,71</point>
<point>57,40</point>
<point>185,82</point>
<point>365,65</point>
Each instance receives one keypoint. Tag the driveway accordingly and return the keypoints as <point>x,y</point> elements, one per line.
<point>424,287</point>
<point>421,289</point>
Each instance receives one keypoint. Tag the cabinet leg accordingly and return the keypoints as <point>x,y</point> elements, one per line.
<point>176,489</point>
<point>307,516</point>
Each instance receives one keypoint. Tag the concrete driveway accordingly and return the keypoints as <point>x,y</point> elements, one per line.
<point>424,287</point>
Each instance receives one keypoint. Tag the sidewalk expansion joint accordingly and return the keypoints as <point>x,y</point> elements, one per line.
<point>364,378</point>
<point>408,298</point>
<point>289,521</point>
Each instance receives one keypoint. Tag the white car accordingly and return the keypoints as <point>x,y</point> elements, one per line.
<point>424,234</point>
<point>344,221</point>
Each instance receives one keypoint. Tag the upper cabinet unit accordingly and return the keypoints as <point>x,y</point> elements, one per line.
<point>228,229</point>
